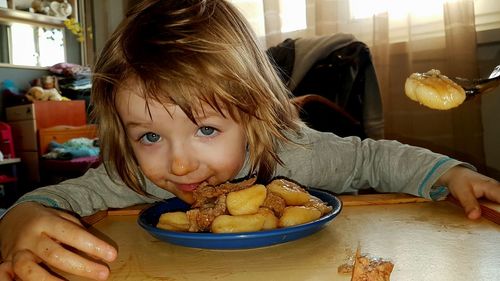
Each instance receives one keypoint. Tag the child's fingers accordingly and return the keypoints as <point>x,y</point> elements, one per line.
<point>52,253</point>
<point>77,237</point>
<point>468,200</point>
<point>70,218</point>
<point>492,191</point>
<point>26,268</point>
<point>6,271</point>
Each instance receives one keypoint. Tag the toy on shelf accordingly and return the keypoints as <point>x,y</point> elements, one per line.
<point>51,8</point>
<point>44,89</point>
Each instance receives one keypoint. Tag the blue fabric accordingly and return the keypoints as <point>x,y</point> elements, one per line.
<point>74,148</point>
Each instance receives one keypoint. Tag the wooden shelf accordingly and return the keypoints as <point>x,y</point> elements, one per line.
<point>13,14</point>
<point>7,161</point>
<point>22,16</point>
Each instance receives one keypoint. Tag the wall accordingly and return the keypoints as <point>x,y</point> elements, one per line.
<point>488,58</point>
<point>107,15</point>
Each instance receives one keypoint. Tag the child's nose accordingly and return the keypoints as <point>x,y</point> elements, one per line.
<point>181,167</point>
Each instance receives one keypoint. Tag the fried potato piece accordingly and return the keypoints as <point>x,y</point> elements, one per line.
<point>295,215</point>
<point>235,224</point>
<point>318,204</point>
<point>176,221</point>
<point>246,201</point>
<point>270,220</point>
<point>293,194</point>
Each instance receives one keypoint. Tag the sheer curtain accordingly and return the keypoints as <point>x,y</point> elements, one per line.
<point>404,36</point>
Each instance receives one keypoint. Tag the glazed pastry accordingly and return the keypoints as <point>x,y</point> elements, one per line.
<point>434,90</point>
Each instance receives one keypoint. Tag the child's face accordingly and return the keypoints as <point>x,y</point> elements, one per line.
<point>176,154</point>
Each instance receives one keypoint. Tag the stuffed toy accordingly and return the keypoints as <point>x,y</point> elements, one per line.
<point>44,89</point>
<point>38,93</point>
<point>40,7</point>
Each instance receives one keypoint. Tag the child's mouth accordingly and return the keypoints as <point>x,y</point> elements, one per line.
<point>188,187</point>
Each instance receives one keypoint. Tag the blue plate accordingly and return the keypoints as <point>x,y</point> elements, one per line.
<point>148,219</point>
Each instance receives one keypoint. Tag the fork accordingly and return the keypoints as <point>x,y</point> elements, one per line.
<point>475,87</point>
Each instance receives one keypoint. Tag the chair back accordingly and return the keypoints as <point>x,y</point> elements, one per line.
<point>342,74</point>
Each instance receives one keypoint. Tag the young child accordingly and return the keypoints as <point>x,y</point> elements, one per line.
<point>184,96</point>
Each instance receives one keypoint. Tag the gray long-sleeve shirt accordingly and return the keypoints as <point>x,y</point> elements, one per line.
<point>326,161</point>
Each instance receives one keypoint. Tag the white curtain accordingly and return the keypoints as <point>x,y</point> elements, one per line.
<point>404,36</point>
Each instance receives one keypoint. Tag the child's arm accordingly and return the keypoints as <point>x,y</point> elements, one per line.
<point>349,164</point>
<point>31,235</point>
<point>467,186</point>
<point>90,193</point>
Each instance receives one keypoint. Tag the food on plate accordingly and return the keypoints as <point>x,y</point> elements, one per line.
<point>246,207</point>
<point>434,90</point>
<point>366,269</point>
<point>246,201</point>
<point>295,215</point>
<point>239,223</point>
<point>292,193</point>
<point>177,221</point>
<point>270,219</point>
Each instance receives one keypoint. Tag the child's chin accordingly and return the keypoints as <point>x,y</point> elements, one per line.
<point>185,196</point>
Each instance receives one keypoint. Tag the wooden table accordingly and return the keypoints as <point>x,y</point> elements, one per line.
<point>424,240</point>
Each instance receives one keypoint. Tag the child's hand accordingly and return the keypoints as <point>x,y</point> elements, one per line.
<point>32,235</point>
<point>467,185</point>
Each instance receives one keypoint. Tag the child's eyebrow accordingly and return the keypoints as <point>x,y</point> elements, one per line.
<point>132,124</point>
<point>206,114</point>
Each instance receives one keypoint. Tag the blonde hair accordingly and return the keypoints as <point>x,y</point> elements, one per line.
<point>186,53</point>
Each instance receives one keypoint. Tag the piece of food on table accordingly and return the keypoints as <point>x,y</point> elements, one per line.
<point>366,269</point>
<point>434,90</point>
<point>245,207</point>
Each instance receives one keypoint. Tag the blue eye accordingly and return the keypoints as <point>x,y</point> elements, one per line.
<point>149,138</point>
<point>206,131</point>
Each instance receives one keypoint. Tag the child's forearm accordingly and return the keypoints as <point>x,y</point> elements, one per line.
<point>86,195</point>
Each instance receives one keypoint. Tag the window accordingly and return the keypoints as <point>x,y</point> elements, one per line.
<point>254,14</point>
<point>425,17</point>
<point>397,9</point>
<point>293,15</point>
<point>46,49</point>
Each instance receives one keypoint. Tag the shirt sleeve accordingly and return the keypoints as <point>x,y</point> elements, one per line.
<point>346,165</point>
<point>92,192</point>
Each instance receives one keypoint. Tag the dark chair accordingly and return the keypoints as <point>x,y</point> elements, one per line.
<point>338,92</point>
